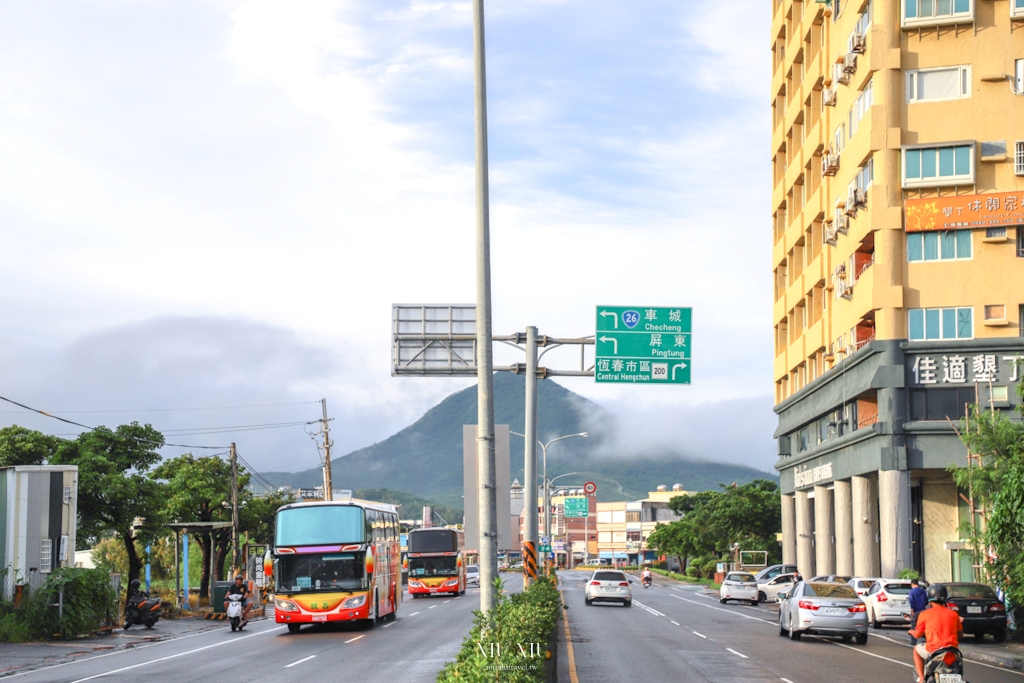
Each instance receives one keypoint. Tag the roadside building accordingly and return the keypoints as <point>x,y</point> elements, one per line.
<point>611,531</point>
<point>654,510</point>
<point>38,517</point>
<point>898,267</point>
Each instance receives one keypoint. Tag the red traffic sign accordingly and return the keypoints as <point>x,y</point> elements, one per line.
<point>590,488</point>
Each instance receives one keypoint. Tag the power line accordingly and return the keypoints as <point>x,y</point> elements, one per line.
<point>166,410</point>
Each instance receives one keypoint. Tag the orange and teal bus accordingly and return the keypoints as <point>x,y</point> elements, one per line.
<point>336,561</point>
<point>436,561</point>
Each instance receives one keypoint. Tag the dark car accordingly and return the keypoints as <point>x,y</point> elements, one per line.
<point>982,611</point>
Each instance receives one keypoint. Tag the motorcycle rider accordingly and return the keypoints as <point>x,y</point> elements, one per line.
<point>938,625</point>
<point>645,576</point>
<point>240,589</point>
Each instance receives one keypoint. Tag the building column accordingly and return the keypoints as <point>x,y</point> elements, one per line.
<point>804,531</point>
<point>788,528</point>
<point>843,501</point>
<point>865,523</point>
<point>824,555</point>
<point>894,521</point>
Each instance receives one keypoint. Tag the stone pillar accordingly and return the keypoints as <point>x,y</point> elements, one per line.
<point>843,502</point>
<point>789,528</point>
<point>824,551</point>
<point>865,523</point>
<point>804,535</point>
<point>894,521</point>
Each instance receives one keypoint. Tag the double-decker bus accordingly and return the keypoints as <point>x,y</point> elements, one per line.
<point>336,561</point>
<point>436,562</point>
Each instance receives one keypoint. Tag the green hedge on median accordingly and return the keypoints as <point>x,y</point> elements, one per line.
<point>509,644</point>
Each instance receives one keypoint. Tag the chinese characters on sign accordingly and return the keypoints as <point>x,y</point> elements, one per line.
<point>959,369</point>
<point>642,344</point>
<point>813,475</point>
<point>965,211</point>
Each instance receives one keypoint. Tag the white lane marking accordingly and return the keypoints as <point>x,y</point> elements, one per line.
<point>872,654</point>
<point>876,634</point>
<point>700,635</point>
<point>727,611</point>
<point>414,614</point>
<point>391,624</point>
<point>352,640</point>
<point>676,623</point>
<point>288,666</point>
<point>786,680</point>
<point>738,654</point>
<point>447,601</point>
<point>649,609</point>
<point>432,607</point>
<point>180,654</point>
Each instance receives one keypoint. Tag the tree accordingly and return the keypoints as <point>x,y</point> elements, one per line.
<point>22,446</point>
<point>114,493</point>
<point>995,481</point>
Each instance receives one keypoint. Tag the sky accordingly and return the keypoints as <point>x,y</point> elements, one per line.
<point>208,207</point>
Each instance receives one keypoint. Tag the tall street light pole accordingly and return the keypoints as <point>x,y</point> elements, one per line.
<point>547,497</point>
<point>485,361</point>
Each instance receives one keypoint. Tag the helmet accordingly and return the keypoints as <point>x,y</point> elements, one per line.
<point>239,577</point>
<point>135,584</point>
<point>937,593</point>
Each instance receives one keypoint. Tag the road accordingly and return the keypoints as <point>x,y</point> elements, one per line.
<point>427,633</point>
<point>676,633</point>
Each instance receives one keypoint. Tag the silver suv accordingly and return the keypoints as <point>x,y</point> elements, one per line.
<point>610,586</point>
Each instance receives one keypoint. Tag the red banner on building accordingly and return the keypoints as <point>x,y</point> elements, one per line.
<point>964,212</point>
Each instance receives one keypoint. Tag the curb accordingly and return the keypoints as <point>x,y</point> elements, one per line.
<point>1012,664</point>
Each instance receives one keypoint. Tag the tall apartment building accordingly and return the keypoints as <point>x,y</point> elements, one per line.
<point>898,260</point>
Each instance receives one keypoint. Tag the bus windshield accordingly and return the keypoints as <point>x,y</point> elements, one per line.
<point>433,566</point>
<point>319,525</point>
<point>433,541</point>
<point>326,572</point>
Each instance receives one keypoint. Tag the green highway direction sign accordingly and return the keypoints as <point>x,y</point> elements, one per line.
<point>544,549</point>
<point>575,507</point>
<point>641,344</point>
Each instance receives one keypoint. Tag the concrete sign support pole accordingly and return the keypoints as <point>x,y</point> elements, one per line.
<point>804,529</point>
<point>824,560</point>
<point>865,518</point>
<point>894,520</point>
<point>485,360</point>
<point>788,528</point>
<point>844,527</point>
<point>530,451</point>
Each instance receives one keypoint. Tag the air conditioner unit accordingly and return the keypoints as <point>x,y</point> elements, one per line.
<point>844,289</point>
<point>829,164</point>
<point>840,75</point>
<point>850,63</point>
<point>860,198</point>
<point>839,272</point>
<point>860,43</point>
<point>842,225</point>
<point>851,206</point>
<point>828,97</point>
<point>830,234</point>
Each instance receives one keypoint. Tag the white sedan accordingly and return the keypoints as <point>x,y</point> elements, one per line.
<point>768,592</point>
<point>738,586</point>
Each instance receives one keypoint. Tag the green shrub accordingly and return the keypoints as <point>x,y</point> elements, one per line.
<point>708,568</point>
<point>908,574</point>
<point>693,571</point>
<point>14,629</point>
<point>509,644</point>
<point>89,603</point>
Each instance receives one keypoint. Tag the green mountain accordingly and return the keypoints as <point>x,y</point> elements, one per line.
<point>425,458</point>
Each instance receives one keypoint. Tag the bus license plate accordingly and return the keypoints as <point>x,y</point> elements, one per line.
<point>950,678</point>
<point>319,617</point>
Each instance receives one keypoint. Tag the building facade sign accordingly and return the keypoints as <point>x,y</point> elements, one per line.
<point>813,475</point>
<point>964,212</point>
<point>957,368</point>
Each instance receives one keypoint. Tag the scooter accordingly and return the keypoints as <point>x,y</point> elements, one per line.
<point>646,582</point>
<point>235,611</point>
<point>945,665</point>
<point>141,609</point>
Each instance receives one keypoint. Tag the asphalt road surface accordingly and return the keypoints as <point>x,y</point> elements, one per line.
<point>412,649</point>
<point>676,633</point>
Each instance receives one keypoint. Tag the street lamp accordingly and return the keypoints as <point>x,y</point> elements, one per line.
<point>544,475</point>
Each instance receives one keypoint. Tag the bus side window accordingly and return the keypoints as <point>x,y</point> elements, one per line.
<point>369,525</point>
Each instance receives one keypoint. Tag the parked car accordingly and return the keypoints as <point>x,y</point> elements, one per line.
<point>773,571</point>
<point>738,586</point>
<point>886,602</point>
<point>473,574</point>
<point>831,578</point>
<point>823,609</point>
<point>767,591</point>
<point>980,608</point>
<point>862,584</point>
<point>608,585</point>
<point>598,562</point>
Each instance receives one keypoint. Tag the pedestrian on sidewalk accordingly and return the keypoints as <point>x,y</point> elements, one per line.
<point>918,599</point>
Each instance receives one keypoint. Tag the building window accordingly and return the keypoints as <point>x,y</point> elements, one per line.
<point>632,515</point>
<point>930,85</point>
<point>941,323</point>
<point>1020,320</point>
<point>1018,151</point>
<point>940,404</point>
<point>930,12</point>
<point>633,536</point>
<point>604,517</point>
<point>861,27</point>
<point>936,166</point>
<point>943,245</point>
<point>1018,73</point>
<point>1017,9</point>
<point>995,312</point>
<point>860,108</point>
<point>46,556</point>
<point>618,537</point>
<point>1020,242</point>
<point>995,232</point>
<point>604,537</point>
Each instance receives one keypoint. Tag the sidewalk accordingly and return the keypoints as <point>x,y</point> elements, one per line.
<point>28,656</point>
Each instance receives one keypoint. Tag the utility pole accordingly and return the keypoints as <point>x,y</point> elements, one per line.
<point>485,360</point>
<point>328,485</point>
<point>530,466</point>
<point>235,563</point>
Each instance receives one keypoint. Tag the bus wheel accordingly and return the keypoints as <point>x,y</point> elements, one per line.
<point>372,620</point>
<point>293,628</point>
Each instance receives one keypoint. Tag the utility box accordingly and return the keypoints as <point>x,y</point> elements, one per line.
<point>220,592</point>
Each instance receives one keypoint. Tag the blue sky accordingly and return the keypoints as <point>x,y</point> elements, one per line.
<point>188,184</point>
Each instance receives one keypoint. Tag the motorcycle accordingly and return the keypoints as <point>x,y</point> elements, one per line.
<point>235,611</point>
<point>945,665</point>
<point>141,609</point>
<point>646,582</point>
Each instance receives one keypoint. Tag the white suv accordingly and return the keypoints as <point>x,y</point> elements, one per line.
<point>610,586</point>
